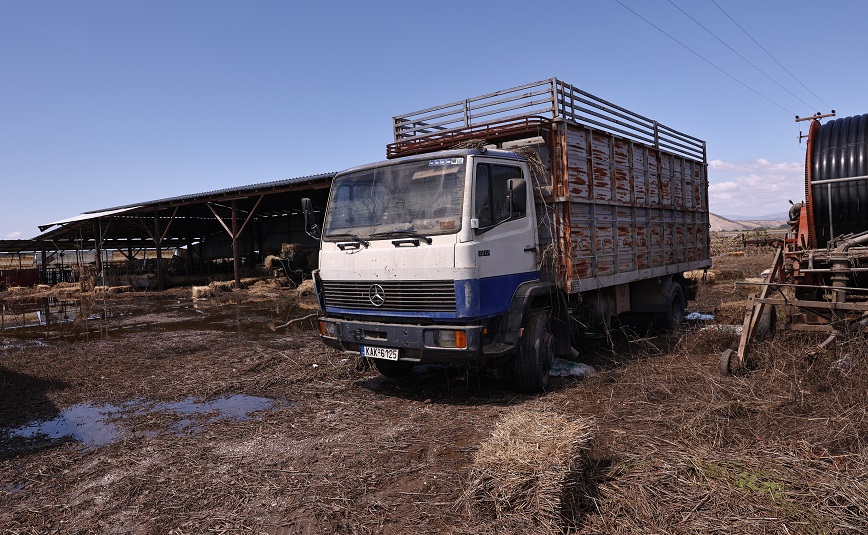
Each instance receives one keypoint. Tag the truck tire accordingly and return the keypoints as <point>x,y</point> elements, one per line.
<point>674,317</point>
<point>535,354</point>
<point>391,368</point>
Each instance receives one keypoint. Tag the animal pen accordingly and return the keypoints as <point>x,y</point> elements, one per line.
<point>218,234</point>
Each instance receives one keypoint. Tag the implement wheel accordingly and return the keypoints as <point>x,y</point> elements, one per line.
<point>536,352</point>
<point>725,360</point>
<point>729,363</point>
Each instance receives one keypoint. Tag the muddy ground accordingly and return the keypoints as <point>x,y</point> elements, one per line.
<point>152,413</point>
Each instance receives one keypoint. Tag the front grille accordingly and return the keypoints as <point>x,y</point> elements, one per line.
<point>407,296</point>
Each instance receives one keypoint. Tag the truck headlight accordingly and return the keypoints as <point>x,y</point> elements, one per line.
<point>456,339</point>
<point>328,329</point>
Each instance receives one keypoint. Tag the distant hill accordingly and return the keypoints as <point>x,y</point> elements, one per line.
<point>782,216</point>
<point>723,224</point>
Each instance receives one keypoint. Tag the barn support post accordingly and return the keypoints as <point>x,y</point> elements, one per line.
<point>97,246</point>
<point>44,275</point>
<point>236,261</point>
<point>236,232</point>
<point>161,282</point>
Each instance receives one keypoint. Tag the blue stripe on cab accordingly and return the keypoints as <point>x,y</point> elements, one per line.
<point>490,296</point>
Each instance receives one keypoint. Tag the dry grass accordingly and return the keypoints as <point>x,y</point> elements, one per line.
<point>528,467</point>
<point>780,449</point>
<point>676,447</point>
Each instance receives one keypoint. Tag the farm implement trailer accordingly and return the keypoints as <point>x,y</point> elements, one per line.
<point>820,274</point>
<point>839,310</point>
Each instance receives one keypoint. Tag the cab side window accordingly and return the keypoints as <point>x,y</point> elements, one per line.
<point>491,204</point>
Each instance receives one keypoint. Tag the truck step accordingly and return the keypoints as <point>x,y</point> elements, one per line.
<point>497,349</point>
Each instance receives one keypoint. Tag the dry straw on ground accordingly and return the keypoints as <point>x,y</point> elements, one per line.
<point>528,468</point>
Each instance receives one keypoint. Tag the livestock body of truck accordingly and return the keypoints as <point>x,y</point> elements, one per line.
<point>502,225</point>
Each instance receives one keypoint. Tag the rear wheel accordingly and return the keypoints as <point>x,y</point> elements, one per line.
<point>535,353</point>
<point>392,368</point>
<point>674,317</point>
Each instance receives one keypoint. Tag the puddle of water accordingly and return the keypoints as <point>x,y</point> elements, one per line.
<point>94,426</point>
<point>237,407</point>
<point>86,319</point>
<point>84,423</point>
<point>9,345</point>
<point>44,311</point>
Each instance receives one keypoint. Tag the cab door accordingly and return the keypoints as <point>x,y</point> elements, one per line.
<point>506,240</point>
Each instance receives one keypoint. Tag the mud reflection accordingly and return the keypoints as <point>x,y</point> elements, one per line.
<point>94,426</point>
<point>90,318</point>
<point>44,311</point>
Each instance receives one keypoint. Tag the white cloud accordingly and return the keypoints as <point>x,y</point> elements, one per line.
<point>755,188</point>
<point>13,235</point>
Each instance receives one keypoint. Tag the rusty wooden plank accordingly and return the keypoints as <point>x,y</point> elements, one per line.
<point>601,166</point>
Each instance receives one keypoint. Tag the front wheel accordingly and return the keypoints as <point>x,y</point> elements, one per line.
<point>535,353</point>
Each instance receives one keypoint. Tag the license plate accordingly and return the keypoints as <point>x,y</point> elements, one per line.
<point>379,353</point>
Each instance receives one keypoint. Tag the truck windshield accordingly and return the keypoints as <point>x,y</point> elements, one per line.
<point>422,196</point>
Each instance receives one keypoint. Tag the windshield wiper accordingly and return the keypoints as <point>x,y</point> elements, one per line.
<point>397,233</point>
<point>350,237</point>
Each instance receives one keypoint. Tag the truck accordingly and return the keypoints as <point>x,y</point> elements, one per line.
<point>501,227</point>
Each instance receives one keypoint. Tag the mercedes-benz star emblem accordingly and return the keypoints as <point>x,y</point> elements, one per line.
<point>377,295</point>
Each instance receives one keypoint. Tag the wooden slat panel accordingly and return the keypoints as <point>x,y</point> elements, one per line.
<point>637,211</point>
<point>623,183</point>
<point>578,164</point>
<point>665,180</point>
<point>601,149</point>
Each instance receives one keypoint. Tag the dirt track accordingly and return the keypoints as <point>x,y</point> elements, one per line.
<point>341,450</point>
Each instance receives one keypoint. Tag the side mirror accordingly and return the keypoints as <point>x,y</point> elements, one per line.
<point>517,195</point>
<point>309,225</point>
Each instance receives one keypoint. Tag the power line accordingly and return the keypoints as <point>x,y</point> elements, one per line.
<point>697,54</point>
<point>769,54</point>
<point>739,55</point>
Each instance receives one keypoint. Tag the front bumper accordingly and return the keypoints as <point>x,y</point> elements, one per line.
<point>415,343</point>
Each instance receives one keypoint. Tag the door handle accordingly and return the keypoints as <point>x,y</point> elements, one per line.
<point>530,249</point>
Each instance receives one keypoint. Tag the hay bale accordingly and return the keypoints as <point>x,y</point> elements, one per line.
<point>731,312</point>
<point>305,289</point>
<point>201,292</point>
<point>43,287</point>
<point>112,289</point>
<point>17,289</point>
<point>528,468</point>
<point>701,275</point>
<point>729,274</point>
<point>221,286</point>
<point>264,287</point>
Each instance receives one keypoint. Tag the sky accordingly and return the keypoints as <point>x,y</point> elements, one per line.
<point>107,103</point>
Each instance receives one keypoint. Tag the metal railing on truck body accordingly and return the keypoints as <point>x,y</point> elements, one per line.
<point>525,108</point>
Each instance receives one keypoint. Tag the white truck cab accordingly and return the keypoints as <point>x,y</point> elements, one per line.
<point>417,253</point>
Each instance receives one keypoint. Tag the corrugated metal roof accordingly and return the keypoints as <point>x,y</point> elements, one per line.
<point>90,215</point>
<point>192,197</point>
<point>220,192</point>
